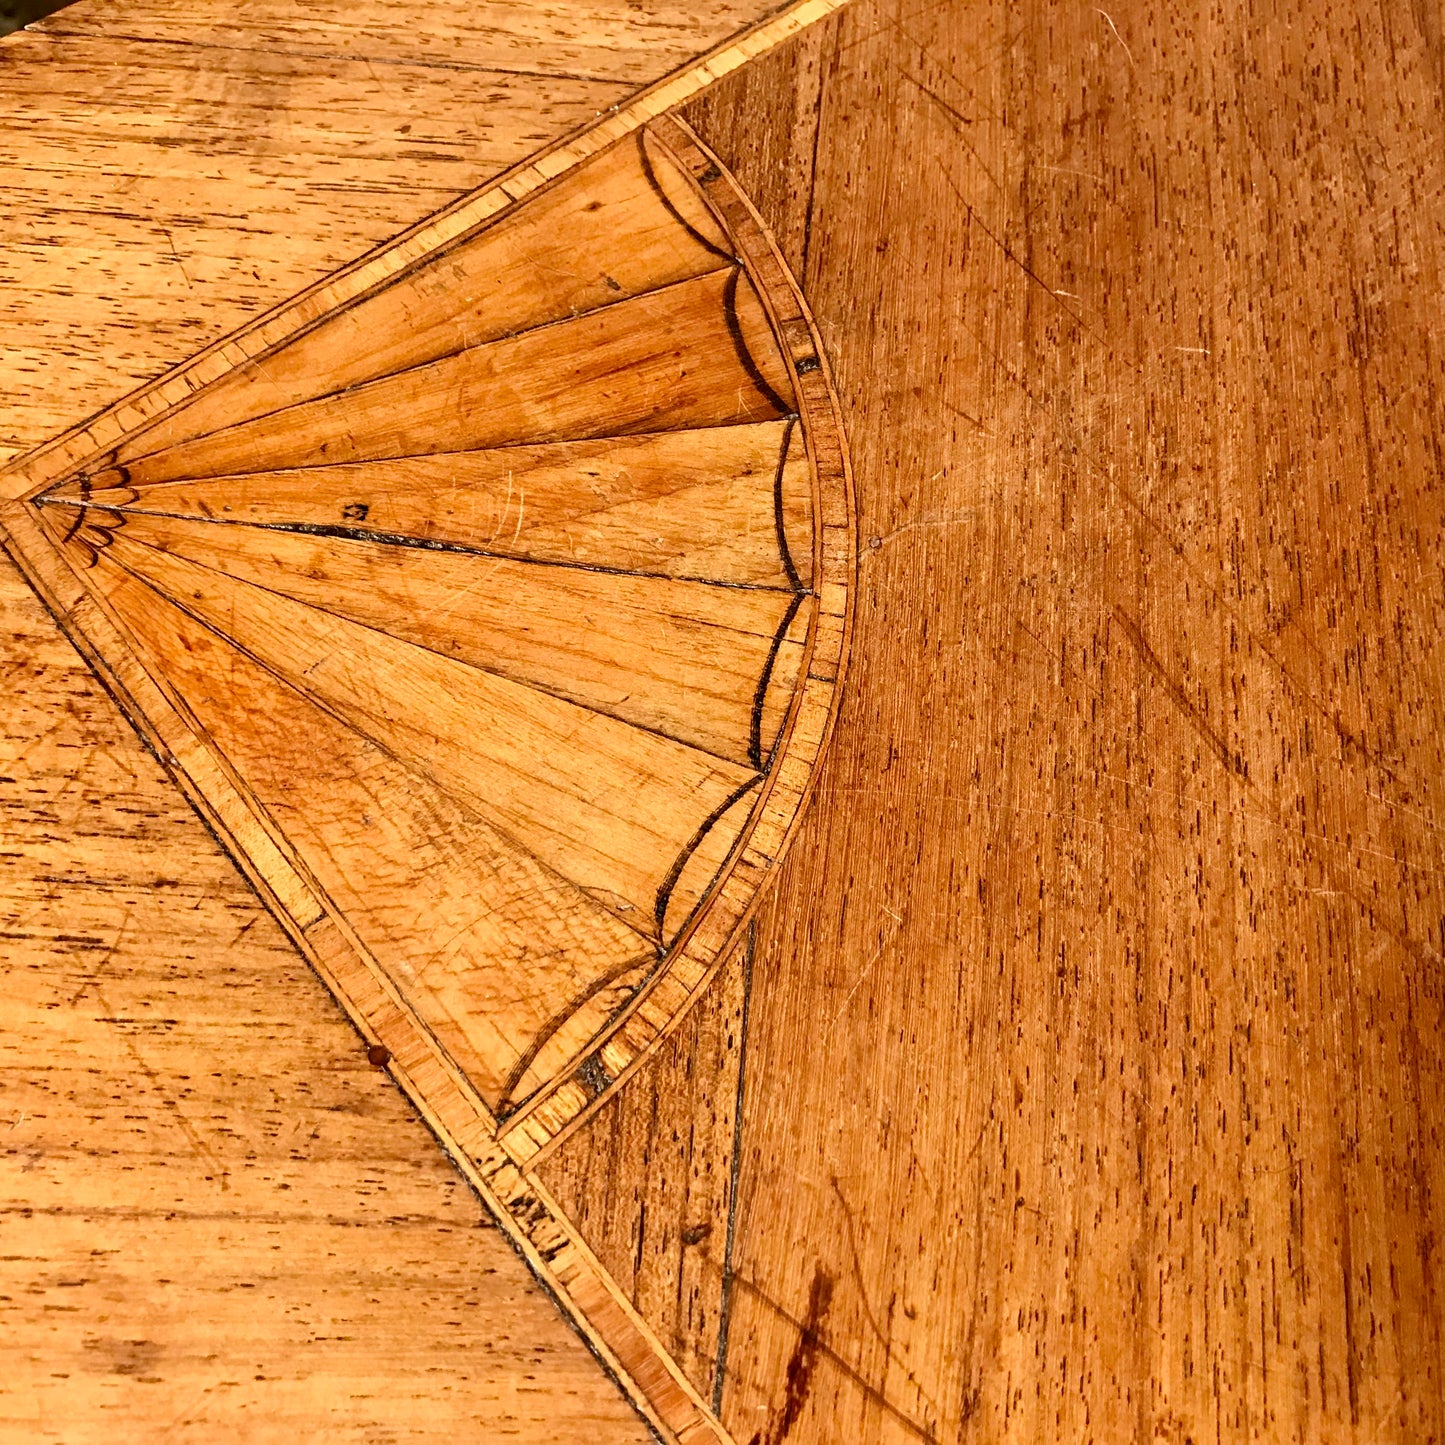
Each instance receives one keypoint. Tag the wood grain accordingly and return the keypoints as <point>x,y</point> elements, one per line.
<point>1093,1041</point>
<point>660,361</point>
<point>628,742</point>
<point>672,656</point>
<point>1095,1069</point>
<point>621,43</point>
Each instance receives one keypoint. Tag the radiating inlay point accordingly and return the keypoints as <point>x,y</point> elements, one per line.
<point>495,618</point>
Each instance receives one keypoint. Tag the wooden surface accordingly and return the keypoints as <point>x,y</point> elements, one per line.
<point>1094,1071</point>
<point>1081,1079</point>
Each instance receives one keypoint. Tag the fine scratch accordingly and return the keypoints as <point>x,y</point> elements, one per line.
<point>198,1144</point>
<point>867,969</point>
<point>968,514</point>
<point>1230,758</point>
<point>975,219</point>
<point>1108,20</point>
<point>170,241</point>
<point>868,1313</point>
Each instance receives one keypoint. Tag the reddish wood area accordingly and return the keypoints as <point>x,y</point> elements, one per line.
<point>1094,1073</point>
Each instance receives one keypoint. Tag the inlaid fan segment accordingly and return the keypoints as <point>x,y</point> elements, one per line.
<point>493,593</point>
<point>494,949</point>
<point>609,304</point>
<point>701,504</point>
<point>494,618</point>
<point>623,224</point>
<point>696,353</point>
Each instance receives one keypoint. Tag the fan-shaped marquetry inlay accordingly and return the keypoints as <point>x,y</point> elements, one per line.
<point>495,615</point>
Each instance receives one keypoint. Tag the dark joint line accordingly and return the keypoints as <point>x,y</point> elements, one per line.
<point>755,732</point>
<point>531,685</point>
<point>734,1178</point>
<point>664,894</point>
<point>336,531</point>
<point>75,526</point>
<point>354,388</point>
<point>315,700</point>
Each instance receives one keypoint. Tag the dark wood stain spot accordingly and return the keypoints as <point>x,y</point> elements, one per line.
<point>804,1359</point>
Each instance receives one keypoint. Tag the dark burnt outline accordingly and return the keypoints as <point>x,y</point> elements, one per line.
<point>765,679</point>
<point>740,345</point>
<point>812,362</point>
<point>661,194</point>
<point>83,481</point>
<point>784,551</point>
<point>664,893</point>
<point>730,266</point>
<point>531,684</point>
<point>505,1107</point>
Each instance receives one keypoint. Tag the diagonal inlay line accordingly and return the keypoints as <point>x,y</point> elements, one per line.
<point>505,630</point>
